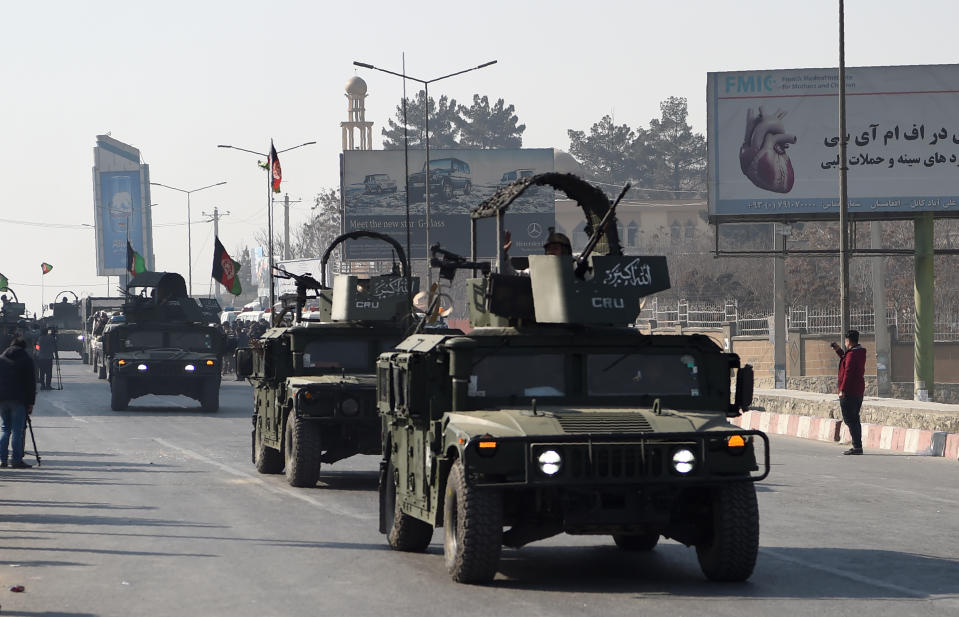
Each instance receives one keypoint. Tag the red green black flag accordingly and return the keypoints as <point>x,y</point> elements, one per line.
<point>275,167</point>
<point>135,263</point>
<point>225,270</point>
<point>46,267</point>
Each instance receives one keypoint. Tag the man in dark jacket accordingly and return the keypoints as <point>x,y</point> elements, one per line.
<point>851,386</point>
<point>18,391</point>
<point>46,350</point>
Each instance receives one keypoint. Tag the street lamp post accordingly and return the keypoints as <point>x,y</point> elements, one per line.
<point>189,237</point>
<point>426,87</point>
<point>269,206</point>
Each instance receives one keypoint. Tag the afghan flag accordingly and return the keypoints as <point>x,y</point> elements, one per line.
<point>46,267</point>
<point>225,270</point>
<point>135,262</point>
<point>3,283</point>
<point>275,166</point>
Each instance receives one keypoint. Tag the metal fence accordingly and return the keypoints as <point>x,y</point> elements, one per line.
<point>696,314</point>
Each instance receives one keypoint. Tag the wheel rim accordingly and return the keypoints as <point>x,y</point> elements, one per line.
<point>288,445</point>
<point>452,526</point>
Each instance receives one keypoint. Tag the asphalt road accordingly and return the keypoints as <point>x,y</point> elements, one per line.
<point>158,511</point>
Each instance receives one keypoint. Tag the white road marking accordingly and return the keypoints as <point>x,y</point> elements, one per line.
<point>859,578</point>
<point>249,478</point>
<point>63,407</point>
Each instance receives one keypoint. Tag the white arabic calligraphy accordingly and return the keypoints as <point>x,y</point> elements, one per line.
<point>634,274</point>
<point>389,287</point>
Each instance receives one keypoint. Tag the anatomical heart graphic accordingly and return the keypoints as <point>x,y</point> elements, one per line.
<point>763,155</point>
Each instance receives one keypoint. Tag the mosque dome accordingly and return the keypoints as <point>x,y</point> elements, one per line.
<point>356,86</point>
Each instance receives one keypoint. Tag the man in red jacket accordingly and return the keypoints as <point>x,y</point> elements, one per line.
<point>852,386</point>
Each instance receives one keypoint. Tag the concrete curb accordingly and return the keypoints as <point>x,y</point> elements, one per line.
<point>921,442</point>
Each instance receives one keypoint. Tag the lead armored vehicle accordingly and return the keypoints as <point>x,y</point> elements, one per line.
<point>65,322</point>
<point>166,343</point>
<point>555,415</point>
<point>314,381</point>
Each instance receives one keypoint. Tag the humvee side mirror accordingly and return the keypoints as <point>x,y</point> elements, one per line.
<point>244,362</point>
<point>744,391</point>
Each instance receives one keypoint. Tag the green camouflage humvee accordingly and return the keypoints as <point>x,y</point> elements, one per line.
<point>314,380</point>
<point>556,415</point>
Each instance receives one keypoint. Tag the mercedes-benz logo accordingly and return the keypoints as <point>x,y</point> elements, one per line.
<point>534,230</point>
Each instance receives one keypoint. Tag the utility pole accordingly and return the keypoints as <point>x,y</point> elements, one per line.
<point>287,254</point>
<point>215,219</point>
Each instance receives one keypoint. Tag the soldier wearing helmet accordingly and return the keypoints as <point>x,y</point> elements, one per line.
<point>557,244</point>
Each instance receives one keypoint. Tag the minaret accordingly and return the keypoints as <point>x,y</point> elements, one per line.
<point>355,93</point>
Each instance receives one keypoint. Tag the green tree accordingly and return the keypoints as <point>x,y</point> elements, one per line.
<point>482,126</point>
<point>679,155</point>
<point>611,153</point>
<point>312,239</point>
<point>442,122</point>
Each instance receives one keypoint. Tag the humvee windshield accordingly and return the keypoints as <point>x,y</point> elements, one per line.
<point>351,355</point>
<point>617,374</point>
<point>154,339</point>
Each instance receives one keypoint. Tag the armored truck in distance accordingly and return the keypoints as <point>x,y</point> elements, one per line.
<point>66,322</point>
<point>314,383</point>
<point>556,415</point>
<point>165,345</point>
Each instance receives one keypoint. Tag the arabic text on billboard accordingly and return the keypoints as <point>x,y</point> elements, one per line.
<point>774,142</point>
<point>374,194</point>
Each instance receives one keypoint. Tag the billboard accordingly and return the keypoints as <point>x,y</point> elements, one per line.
<point>773,142</point>
<point>374,187</point>
<point>121,187</point>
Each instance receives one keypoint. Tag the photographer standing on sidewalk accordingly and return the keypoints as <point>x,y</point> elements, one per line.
<point>852,386</point>
<point>18,391</point>
<point>46,350</point>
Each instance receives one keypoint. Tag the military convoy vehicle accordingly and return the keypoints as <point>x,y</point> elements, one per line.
<point>12,319</point>
<point>95,312</point>
<point>66,323</point>
<point>314,382</point>
<point>556,415</point>
<point>165,345</point>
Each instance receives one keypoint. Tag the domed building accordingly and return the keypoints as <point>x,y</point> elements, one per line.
<point>356,114</point>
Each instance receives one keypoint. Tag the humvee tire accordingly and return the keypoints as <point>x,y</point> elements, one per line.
<point>267,459</point>
<point>102,370</point>
<point>301,451</point>
<point>406,533</point>
<point>210,395</point>
<point>119,396</point>
<point>473,529</point>
<point>729,553</point>
<point>636,542</point>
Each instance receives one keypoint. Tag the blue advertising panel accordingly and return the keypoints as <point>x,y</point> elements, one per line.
<point>120,214</point>
<point>375,187</point>
<point>773,142</point>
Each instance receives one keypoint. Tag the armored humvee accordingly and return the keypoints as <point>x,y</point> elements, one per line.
<point>66,322</point>
<point>314,380</point>
<point>555,415</point>
<point>167,344</point>
<point>12,320</point>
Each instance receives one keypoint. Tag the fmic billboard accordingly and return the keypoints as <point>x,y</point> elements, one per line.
<point>374,187</point>
<point>773,142</point>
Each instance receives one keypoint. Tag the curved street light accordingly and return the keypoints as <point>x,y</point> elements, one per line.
<point>426,86</point>
<point>189,237</point>
<point>269,206</point>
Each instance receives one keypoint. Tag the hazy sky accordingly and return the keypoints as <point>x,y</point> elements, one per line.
<point>177,78</point>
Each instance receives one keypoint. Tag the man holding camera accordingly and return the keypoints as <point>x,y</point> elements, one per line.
<point>852,386</point>
<point>18,391</point>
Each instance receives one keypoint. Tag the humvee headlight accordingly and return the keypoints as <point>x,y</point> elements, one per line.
<point>209,362</point>
<point>684,461</point>
<point>121,362</point>
<point>189,367</point>
<point>308,395</point>
<point>79,337</point>
<point>350,407</point>
<point>142,367</point>
<point>550,462</point>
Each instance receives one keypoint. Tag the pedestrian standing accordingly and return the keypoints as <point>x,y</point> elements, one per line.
<point>851,386</point>
<point>46,349</point>
<point>18,392</point>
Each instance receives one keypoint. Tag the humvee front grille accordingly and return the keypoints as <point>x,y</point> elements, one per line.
<point>604,423</point>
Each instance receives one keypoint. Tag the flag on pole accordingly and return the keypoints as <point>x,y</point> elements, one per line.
<point>135,262</point>
<point>275,166</point>
<point>3,283</point>
<point>46,267</point>
<point>225,270</point>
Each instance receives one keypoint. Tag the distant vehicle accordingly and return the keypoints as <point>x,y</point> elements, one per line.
<point>376,184</point>
<point>228,317</point>
<point>248,317</point>
<point>446,177</point>
<point>516,174</point>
